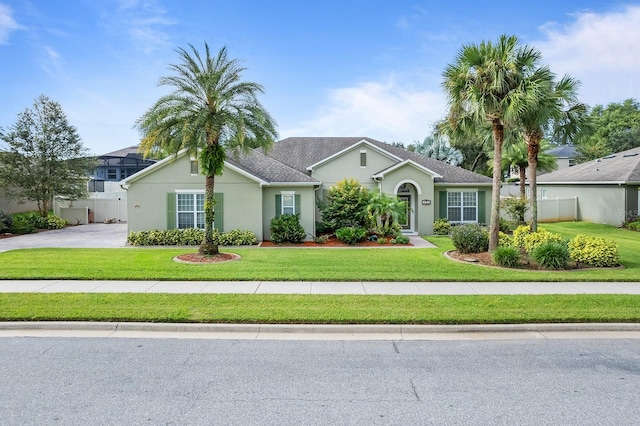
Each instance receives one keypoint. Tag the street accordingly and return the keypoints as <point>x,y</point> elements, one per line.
<point>95,381</point>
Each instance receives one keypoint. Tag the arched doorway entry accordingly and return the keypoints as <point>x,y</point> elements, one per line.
<point>407,191</point>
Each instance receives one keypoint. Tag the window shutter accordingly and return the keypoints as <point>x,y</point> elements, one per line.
<point>218,219</point>
<point>278,205</point>
<point>442,210</point>
<point>482,209</point>
<point>297,203</point>
<point>171,210</point>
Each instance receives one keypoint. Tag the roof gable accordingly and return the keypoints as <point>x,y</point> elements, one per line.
<point>360,144</point>
<point>404,163</point>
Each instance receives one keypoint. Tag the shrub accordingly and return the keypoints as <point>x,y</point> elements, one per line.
<point>321,239</point>
<point>388,230</point>
<point>534,239</point>
<point>594,251</point>
<point>519,233</point>
<point>441,227</point>
<point>551,255</point>
<point>55,222</point>
<point>22,225</point>
<point>346,205</point>
<point>634,226</point>
<point>470,238</point>
<point>504,226</point>
<point>382,240</point>
<point>506,256</point>
<point>6,220</point>
<point>504,240</point>
<point>351,234</point>
<point>515,207</point>
<point>400,239</point>
<point>237,237</point>
<point>286,228</point>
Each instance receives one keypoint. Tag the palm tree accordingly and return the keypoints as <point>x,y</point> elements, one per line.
<point>210,111</point>
<point>388,209</point>
<point>557,107</point>
<point>438,147</point>
<point>491,83</point>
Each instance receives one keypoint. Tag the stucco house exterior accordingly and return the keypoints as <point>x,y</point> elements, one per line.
<point>297,174</point>
<point>606,189</point>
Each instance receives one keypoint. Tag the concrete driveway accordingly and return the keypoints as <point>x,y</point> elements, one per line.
<point>93,235</point>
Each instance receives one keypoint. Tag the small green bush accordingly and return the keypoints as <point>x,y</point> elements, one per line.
<point>382,240</point>
<point>388,230</point>
<point>400,239</point>
<point>551,255</point>
<point>22,225</point>
<point>470,238</point>
<point>55,222</point>
<point>515,207</point>
<point>534,239</point>
<point>594,251</point>
<point>237,237</point>
<point>36,219</point>
<point>506,256</point>
<point>634,226</point>
<point>441,227</point>
<point>6,220</point>
<point>351,235</point>
<point>321,239</point>
<point>286,228</point>
<point>504,226</point>
<point>519,233</point>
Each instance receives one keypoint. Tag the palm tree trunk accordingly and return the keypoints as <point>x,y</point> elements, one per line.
<point>523,179</point>
<point>208,247</point>
<point>533,146</point>
<point>494,229</point>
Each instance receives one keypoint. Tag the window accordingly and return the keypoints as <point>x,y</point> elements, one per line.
<point>462,207</point>
<point>363,158</point>
<point>288,204</point>
<point>112,174</point>
<point>190,211</point>
<point>123,174</point>
<point>194,166</point>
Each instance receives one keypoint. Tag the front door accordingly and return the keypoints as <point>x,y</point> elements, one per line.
<point>407,221</point>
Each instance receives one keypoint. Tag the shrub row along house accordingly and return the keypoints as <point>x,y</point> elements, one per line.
<point>294,177</point>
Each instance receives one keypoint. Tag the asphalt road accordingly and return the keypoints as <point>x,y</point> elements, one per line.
<point>70,381</point>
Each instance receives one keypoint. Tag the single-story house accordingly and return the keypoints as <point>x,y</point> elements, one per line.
<point>606,189</point>
<point>294,177</point>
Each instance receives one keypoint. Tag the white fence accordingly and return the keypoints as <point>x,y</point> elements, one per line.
<point>553,210</point>
<point>100,209</point>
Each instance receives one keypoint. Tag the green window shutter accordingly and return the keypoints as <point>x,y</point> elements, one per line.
<point>442,210</point>
<point>482,207</point>
<point>219,212</point>
<point>297,203</point>
<point>278,205</point>
<point>171,210</point>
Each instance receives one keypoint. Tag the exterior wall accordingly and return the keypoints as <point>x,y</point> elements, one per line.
<point>484,203</point>
<point>422,183</point>
<point>596,203</point>
<point>147,199</point>
<point>307,208</point>
<point>10,206</point>
<point>348,166</point>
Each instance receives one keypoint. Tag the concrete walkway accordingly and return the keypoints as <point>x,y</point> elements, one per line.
<point>317,287</point>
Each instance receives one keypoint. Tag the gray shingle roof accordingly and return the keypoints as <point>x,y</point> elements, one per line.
<point>623,167</point>
<point>564,151</point>
<point>302,152</point>
<point>269,169</point>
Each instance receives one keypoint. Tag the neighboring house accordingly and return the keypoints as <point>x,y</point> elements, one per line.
<point>297,174</point>
<point>116,166</point>
<point>566,156</point>
<point>606,189</point>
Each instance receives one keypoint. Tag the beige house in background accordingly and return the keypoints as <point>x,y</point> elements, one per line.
<point>606,189</point>
<point>297,174</point>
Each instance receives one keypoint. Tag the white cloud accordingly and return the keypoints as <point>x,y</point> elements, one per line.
<point>601,50</point>
<point>144,21</point>
<point>7,24</point>
<point>381,110</point>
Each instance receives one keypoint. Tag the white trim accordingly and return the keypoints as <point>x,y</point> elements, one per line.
<point>412,182</point>
<point>462,206</point>
<point>189,191</point>
<point>287,192</point>
<point>351,147</point>
<point>404,163</point>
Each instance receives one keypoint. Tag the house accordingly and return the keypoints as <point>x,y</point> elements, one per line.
<point>294,177</point>
<point>117,165</point>
<point>605,190</point>
<point>566,156</point>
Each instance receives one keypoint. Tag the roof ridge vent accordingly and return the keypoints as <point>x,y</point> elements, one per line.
<point>609,156</point>
<point>630,155</point>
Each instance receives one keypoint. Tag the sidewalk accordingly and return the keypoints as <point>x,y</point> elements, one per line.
<point>317,287</point>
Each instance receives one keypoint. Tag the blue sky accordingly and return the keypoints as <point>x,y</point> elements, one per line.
<point>330,68</point>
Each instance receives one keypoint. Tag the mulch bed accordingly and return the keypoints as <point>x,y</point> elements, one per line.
<point>333,242</point>
<point>485,259</point>
<point>196,258</point>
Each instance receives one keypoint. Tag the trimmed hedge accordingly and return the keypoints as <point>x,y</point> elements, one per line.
<point>189,237</point>
<point>351,235</point>
<point>594,251</point>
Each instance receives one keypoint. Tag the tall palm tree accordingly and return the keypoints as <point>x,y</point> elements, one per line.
<point>438,147</point>
<point>491,83</point>
<point>557,107</point>
<point>211,111</point>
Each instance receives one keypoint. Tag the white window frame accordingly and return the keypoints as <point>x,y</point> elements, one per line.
<point>363,158</point>
<point>462,205</point>
<point>195,212</point>
<point>288,208</point>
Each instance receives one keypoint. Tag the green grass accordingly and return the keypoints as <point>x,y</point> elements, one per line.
<point>321,264</point>
<point>319,309</point>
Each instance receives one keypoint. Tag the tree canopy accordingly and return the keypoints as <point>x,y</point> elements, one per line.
<point>210,112</point>
<point>44,157</point>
